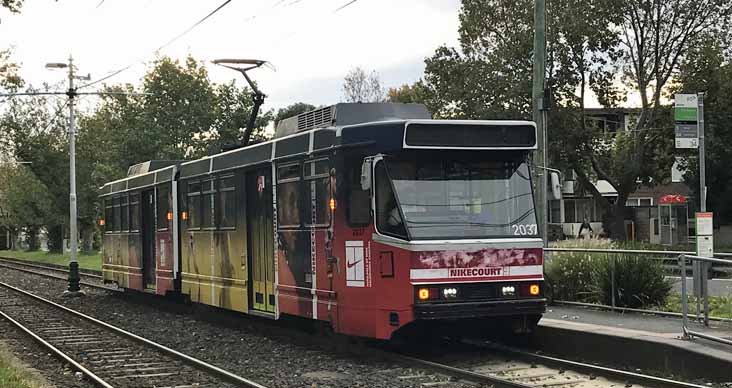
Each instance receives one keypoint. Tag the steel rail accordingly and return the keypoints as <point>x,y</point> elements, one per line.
<point>46,267</point>
<point>51,276</point>
<point>204,366</point>
<point>596,369</point>
<point>74,365</point>
<point>459,372</point>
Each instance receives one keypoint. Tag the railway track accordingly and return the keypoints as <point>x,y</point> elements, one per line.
<point>491,365</point>
<point>88,279</point>
<point>504,367</point>
<point>104,354</point>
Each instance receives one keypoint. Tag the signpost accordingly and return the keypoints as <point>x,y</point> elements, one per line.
<point>689,118</point>
<point>686,111</point>
<point>704,248</point>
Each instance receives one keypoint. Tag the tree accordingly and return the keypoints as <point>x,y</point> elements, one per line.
<point>358,86</point>
<point>26,200</point>
<point>9,78</point>
<point>408,94</point>
<point>12,5</point>
<point>588,43</point>
<point>705,68</point>
<point>292,111</point>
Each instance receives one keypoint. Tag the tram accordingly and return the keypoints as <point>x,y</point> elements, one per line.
<point>368,217</point>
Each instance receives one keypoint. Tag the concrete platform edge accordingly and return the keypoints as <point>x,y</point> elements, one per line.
<point>661,353</point>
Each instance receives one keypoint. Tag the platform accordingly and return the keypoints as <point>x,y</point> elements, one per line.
<point>639,340</point>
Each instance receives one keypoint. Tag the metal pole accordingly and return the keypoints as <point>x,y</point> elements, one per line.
<point>612,279</point>
<point>705,290</point>
<point>702,156</point>
<point>702,200</point>
<point>74,288</point>
<point>536,96</point>
<point>684,307</point>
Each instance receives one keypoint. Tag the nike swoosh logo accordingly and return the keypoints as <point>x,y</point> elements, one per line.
<point>352,264</point>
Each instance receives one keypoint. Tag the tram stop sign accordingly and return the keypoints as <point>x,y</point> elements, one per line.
<point>686,108</point>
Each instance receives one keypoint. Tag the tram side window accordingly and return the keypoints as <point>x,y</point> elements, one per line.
<point>117,215</point>
<point>288,190</point>
<point>359,201</point>
<point>317,180</point>
<point>134,212</point>
<point>108,216</point>
<point>389,220</point>
<point>227,203</point>
<point>194,205</point>
<point>163,206</point>
<point>207,204</point>
<point>124,214</point>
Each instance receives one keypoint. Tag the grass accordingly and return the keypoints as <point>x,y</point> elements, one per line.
<point>12,374</point>
<point>86,261</point>
<point>719,306</point>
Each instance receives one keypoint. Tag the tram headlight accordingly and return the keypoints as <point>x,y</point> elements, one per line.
<point>449,293</point>
<point>508,291</point>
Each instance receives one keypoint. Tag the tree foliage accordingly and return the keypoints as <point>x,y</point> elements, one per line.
<point>291,111</point>
<point>706,68</point>
<point>359,86</point>
<point>608,46</point>
<point>408,94</point>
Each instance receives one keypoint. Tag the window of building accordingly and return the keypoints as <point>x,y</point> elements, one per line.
<point>134,212</point>
<point>163,206</point>
<point>194,205</point>
<point>288,198</point>
<point>640,201</point>
<point>207,204</point>
<point>227,203</point>
<point>317,179</point>
<point>555,211</point>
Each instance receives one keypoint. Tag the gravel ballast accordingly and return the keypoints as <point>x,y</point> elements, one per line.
<point>254,348</point>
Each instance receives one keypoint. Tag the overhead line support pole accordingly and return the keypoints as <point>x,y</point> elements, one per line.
<point>74,278</point>
<point>538,113</point>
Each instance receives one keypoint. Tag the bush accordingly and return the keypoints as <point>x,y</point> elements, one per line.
<point>587,277</point>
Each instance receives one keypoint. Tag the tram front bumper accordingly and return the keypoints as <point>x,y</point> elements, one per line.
<point>479,309</point>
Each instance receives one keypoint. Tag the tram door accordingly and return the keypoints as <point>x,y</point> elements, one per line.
<point>148,238</point>
<point>260,237</point>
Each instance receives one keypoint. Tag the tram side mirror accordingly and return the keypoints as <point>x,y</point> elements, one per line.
<point>366,174</point>
<point>556,184</point>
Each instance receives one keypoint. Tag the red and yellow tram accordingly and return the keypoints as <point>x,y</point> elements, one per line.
<point>369,217</point>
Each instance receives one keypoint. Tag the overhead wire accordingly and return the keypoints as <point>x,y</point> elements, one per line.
<point>169,42</point>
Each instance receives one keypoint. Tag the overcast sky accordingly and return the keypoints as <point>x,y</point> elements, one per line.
<point>311,46</point>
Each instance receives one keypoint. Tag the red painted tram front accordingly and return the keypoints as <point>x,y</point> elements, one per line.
<point>439,227</point>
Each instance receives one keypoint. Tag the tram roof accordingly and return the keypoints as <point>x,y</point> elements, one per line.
<point>381,136</point>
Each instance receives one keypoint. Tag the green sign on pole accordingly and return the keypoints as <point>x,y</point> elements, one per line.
<point>685,107</point>
<point>685,114</point>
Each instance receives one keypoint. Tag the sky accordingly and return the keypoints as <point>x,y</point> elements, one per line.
<point>311,45</point>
